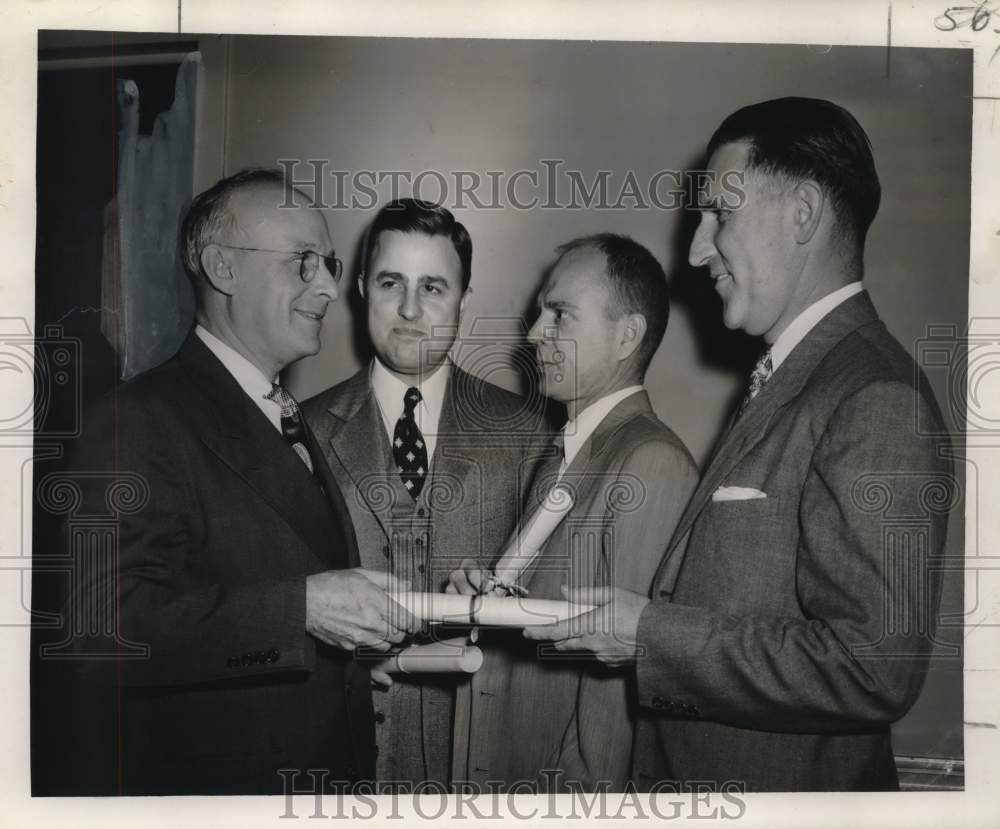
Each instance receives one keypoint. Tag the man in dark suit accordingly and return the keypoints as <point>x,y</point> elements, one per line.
<point>790,619</point>
<point>433,461</point>
<point>534,715</point>
<point>230,577</point>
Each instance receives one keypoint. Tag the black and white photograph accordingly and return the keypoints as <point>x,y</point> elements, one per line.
<point>590,422</point>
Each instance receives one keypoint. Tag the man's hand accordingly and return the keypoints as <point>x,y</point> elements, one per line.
<point>380,678</point>
<point>467,579</point>
<point>608,632</point>
<point>348,608</point>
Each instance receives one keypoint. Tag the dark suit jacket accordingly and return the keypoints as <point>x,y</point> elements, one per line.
<point>791,633</point>
<point>530,708</point>
<point>484,459</point>
<point>221,522</point>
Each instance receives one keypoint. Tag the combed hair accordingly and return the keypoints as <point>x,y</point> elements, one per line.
<point>800,138</point>
<point>209,217</point>
<point>637,285</point>
<point>416,216</point>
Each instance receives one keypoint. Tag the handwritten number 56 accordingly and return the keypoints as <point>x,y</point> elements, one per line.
<point>976,17</point>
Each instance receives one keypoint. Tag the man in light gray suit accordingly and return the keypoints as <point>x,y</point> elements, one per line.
<point>789,623</point>
<point>434,462</point>
<point>531,714</point>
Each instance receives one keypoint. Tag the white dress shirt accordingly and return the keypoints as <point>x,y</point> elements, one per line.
<point>389,391</point>
<point>807,320</point>
<point>250,378</point>
<point>577,431</point>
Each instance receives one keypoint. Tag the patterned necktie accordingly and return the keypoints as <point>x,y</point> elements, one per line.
<point>291,423</point>
<point>761,373</point>
<point>408,447</point>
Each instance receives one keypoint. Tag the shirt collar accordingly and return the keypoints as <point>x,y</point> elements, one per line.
<point>389,391</point>
<point>576,432</point>
<point>807,320</point>
<point>250,378</point>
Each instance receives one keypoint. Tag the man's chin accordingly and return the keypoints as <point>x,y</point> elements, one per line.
<point>410,367</point>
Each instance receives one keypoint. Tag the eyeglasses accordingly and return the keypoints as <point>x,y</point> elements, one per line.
<point>308,261</point>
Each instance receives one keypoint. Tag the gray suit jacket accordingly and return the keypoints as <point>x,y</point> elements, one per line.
<point>482,464</point>
<point>790,632</point>
<point>531,709</point>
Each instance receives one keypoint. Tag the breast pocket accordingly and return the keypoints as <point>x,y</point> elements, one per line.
<point>743,554</point>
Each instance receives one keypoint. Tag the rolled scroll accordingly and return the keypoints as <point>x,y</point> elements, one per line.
<point>492,611</point>
<point>447,656</point>
<point>524,548</point>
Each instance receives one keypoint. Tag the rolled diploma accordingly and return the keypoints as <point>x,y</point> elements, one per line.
<point>533,535</point>
<point>497,611</point>
<point>446,656</point>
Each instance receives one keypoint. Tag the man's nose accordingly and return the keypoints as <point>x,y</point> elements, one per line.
<point>535,332</point>
<point>702,245</point>
<point>409,305</point>
<point>325,283</point>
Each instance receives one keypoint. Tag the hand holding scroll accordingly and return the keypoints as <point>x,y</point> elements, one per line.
<point>468,579</point>
<point>609,632</point>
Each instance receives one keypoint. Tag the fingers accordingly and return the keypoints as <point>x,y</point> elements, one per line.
<point>548,633</point>
<point>475,577</point>
<point>588,595</point>
<point>400,619</point>
<point>380,677</point>
<point>387,581</point>
<point>464,581</point>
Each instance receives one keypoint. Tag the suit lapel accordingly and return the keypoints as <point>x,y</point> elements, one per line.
<point>334,496</point>
<point>751,428</point>
<point>451,468</point>
<point>360,444</point>
<point>584,476</point>
<point>242,437</point>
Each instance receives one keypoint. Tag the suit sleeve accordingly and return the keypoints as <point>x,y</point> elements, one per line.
<point>151,589</point>
<point>651,490</point>
<point>868,607</point>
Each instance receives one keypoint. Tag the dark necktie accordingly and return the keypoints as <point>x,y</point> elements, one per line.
<point>408,447</point>
<point>761,373</point>
<point>291,423</point>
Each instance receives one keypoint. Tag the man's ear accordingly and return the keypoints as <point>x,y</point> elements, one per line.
<point>809,205</point>
<point>632,332</point>
<point>462,303</point>
<point>218,269</point>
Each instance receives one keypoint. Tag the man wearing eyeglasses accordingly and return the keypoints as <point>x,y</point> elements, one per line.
<point>433,459</point>
<point>238,569</point>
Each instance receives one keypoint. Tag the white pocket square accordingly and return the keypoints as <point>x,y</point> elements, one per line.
<point>737,493</point>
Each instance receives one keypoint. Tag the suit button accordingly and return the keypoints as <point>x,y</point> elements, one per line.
<point>658,702</point>
<point>421,512</point>
<point>379,717</point>
<point>273,655</point>
<point>260,658</point>
<point>419,541</point>
<point>246,659</point>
